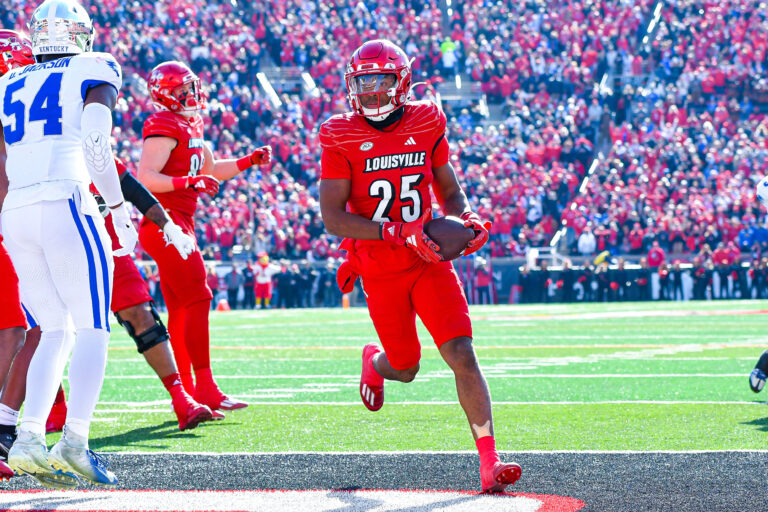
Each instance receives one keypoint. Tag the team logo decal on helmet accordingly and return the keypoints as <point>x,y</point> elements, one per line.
<point>378,78</point>
<point>61,27</point>
<point>15,51</point>
<point>175,87</point>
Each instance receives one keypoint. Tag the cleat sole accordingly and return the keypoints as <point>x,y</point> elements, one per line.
<point>235,407</point>
<point>197,419</point>
<point>69,470</point>
<point>508,476</point>
<point>51,479</point>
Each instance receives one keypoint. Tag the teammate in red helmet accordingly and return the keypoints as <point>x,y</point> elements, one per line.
<point>176,165</point>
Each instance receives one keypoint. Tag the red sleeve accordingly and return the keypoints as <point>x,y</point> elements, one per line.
<point>441,152</point>
<point>157,125</point>
<point>121,168</point>
<point>334,166</point>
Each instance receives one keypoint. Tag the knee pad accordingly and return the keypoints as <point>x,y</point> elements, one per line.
<point>150,337</point>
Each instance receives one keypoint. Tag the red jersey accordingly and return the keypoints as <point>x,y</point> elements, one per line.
<point>186,159</point>
<point>390,170</point>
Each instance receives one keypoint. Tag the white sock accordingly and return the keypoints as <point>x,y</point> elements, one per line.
<point>43,379</point>
<point>86,375</point>
<point>8,416</point>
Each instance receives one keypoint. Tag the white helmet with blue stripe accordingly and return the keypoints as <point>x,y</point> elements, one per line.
<point>61,27</point>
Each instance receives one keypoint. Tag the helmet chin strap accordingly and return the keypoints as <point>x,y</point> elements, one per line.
<point>376,114</point>
<point>369,113</point>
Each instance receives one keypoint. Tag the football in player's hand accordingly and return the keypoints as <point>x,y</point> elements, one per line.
<point>450,234</point>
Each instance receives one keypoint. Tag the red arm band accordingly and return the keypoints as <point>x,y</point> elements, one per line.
<point>244,163</point>
<point>179,183</point>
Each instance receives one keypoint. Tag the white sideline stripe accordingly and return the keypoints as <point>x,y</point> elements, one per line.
<point>435,452</point>
<point>260,500</point>
<point>746,342</point>
<point>137,406</point>
<point>490,373</point>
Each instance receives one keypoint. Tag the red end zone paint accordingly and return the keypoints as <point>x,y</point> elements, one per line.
<point>147,500</point>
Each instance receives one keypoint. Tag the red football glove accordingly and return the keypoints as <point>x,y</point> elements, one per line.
<point>411,235</point>
<point>472,220</point>
<point>346,277</point>
<point>260,156</point>
<point>200,183</point>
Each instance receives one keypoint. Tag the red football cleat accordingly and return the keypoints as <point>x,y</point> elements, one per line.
<point>56,418</point>
<point>496,478</point>
<point>6,473</point>
<point>371,383</point>
<point>217,415</point>
<point>190,413</point>
<point>215,399</point>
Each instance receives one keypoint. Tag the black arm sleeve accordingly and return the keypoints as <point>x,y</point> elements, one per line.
<point>136,193</point>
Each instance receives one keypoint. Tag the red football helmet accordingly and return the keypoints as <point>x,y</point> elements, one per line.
<point>378,71</point>
<point>175,87</point>
<point>15,51</point>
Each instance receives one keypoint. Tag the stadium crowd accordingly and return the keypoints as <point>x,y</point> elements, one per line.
<point>521,173</point>
<point>686,132</point>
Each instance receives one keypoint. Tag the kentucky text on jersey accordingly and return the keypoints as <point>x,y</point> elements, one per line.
<point>196,142</point>
<point>51,64</point>
<point>400,160</point>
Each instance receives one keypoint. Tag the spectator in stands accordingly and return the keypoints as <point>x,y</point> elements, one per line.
<point>677,282</point>
<point>665,282</point>
<point>544,281</point>
<point>724,274</point>
<point>587,243</point>
<point>643,281</point>
<point>656,256</point>
<point>568,279</point>
<point>249,299</point>
<point>233,281</point>
<point>213,283</point>
<point>528,283</point>
<point>327,294</point>
<point>483,282</point>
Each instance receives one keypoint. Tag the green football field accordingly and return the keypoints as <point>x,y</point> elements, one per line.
<point>634,376</point>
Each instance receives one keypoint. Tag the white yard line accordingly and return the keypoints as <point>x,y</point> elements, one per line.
<point>151,407</point>
<point>489,373</point>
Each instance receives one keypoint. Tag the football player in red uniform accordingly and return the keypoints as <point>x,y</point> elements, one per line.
<point>176,165</point>
<point>15,51</point>
<point>378,163</point>
<point>134,309</point>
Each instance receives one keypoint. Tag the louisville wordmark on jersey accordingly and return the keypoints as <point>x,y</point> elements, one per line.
<point>390,170</point>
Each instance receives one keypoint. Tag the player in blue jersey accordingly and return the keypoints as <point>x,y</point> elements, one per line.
<point>56,126</point>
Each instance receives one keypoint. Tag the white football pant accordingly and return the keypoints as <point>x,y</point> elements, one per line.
<point>64,262</point>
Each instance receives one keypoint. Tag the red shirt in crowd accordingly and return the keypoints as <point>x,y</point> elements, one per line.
<point>656,256</point>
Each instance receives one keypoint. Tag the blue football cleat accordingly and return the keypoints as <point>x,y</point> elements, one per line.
<point>757,380</point>
<point>71,455</point>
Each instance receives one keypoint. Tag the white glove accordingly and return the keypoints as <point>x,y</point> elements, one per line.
<point>126,233</point>
<point>183,243</point>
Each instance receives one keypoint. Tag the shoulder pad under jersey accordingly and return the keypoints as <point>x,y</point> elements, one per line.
<point>425,116</point>
<point>96,68</point>
<point>343,129</point>
<point>162,123</point>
